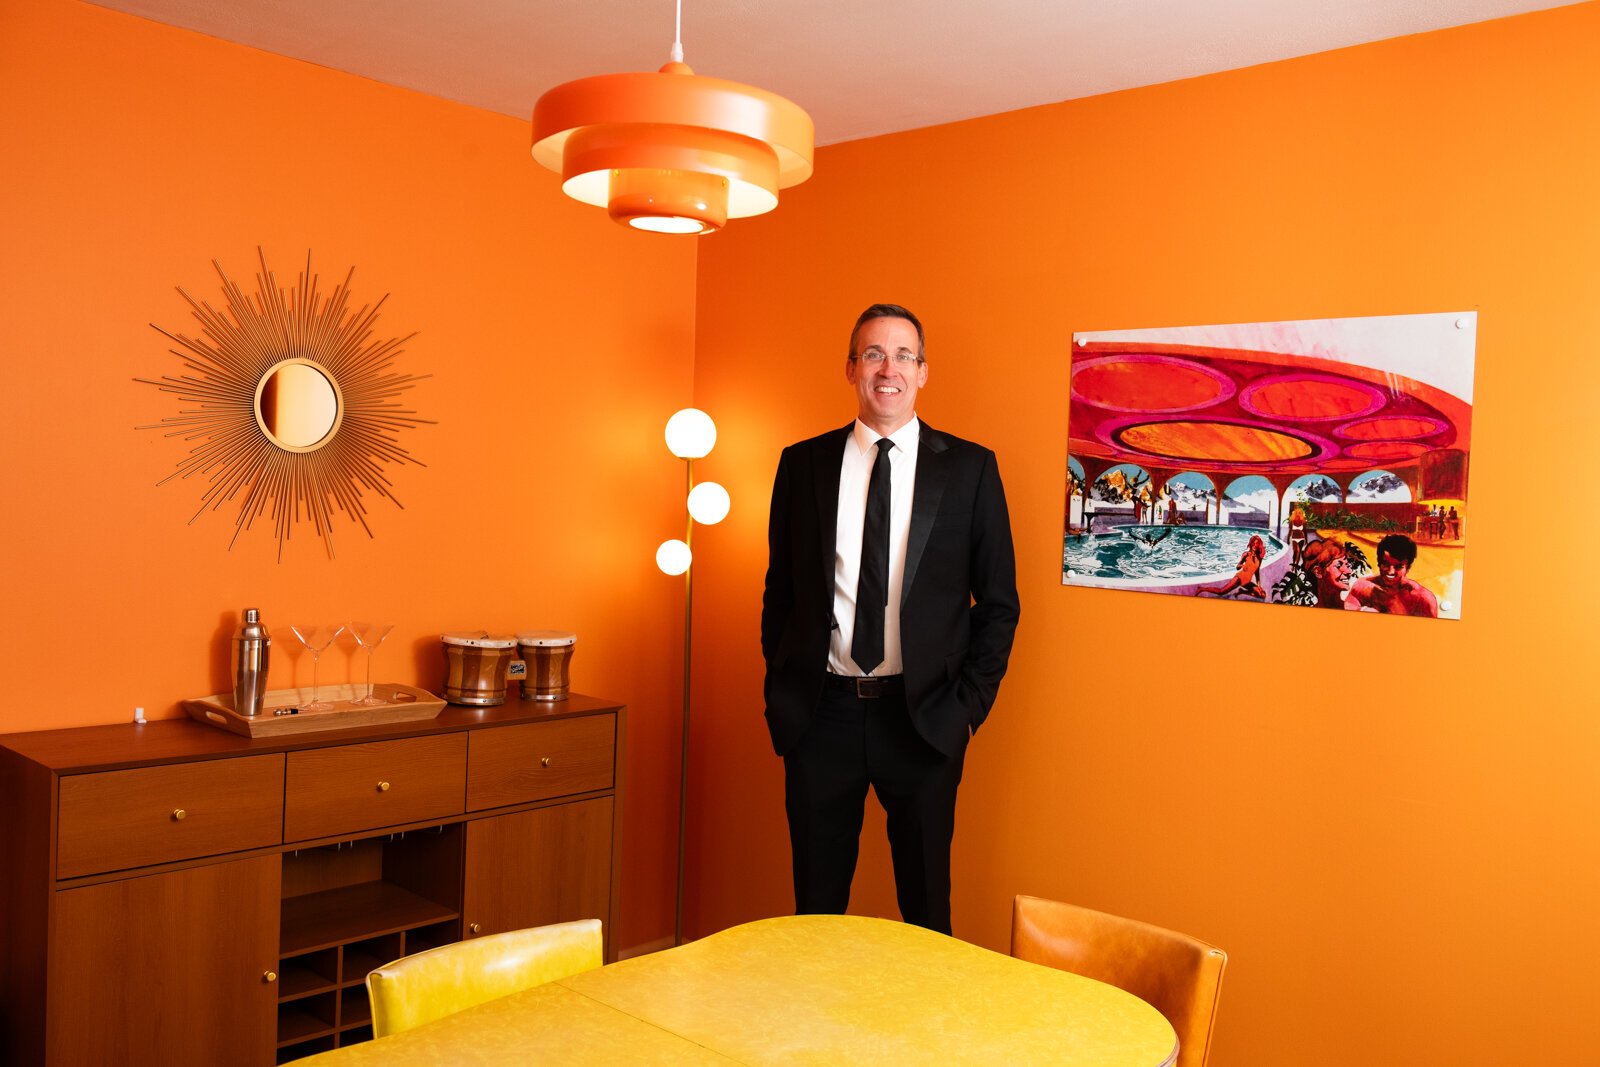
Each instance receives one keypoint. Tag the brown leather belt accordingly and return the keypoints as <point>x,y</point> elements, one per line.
<point>868,688</point>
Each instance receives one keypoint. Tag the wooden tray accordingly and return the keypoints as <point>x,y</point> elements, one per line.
<point>401,703</point>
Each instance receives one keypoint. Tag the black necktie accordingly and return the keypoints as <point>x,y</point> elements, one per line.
<point>872,588</point>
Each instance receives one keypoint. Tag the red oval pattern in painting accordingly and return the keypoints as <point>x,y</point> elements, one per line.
<point>1153,383</point>
<point>1399,428</point>
<point>1312,398</point>
<point>1386,450</point>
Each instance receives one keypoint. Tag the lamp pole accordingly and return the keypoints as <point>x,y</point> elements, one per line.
<point>690,436</point>
<point>688,646</point>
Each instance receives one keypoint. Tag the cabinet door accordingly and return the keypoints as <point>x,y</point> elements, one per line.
<point>549,865</point>
<point>168,968</point>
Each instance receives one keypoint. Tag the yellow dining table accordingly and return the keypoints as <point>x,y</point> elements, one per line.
<point>802,989</point>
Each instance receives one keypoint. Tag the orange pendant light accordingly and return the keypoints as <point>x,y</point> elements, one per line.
<point>672,152</point>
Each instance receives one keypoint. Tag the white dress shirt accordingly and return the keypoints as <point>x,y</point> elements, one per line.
<point>860,453</point>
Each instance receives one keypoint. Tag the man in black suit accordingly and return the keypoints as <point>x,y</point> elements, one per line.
<point>886,624</point>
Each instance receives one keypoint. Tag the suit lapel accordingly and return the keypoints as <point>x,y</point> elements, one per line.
<point>826,464</point>
<point>932,475</point>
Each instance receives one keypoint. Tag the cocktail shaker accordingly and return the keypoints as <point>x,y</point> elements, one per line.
<point>252,647</point>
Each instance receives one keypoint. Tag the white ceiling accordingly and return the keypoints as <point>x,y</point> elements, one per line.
<point>860,67</point>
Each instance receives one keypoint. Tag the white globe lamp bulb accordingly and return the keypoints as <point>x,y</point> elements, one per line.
<point>673,557</point>
<point>691,434</point>
<point>709,503</point>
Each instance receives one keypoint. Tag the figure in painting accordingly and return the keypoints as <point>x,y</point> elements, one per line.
<point>1149,536</point>
<point>1244,579</point>
<point>1391,591</point>
<point>1297,533</point>
<point>1331,569</point>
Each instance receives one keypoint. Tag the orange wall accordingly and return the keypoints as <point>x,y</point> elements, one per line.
<point>1388,823</point>
<point>133,154</point>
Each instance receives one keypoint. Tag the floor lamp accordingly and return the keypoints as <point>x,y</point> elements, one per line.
<point>690,436</point>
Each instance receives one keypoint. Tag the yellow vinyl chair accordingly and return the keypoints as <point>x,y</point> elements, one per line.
<point>441,981</point>
<point>1180,976</point>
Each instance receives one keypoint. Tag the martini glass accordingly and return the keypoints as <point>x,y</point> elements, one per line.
<point>369,635</point>
<point>316,639</point>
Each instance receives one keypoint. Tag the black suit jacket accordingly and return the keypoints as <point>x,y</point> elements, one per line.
<point>958,606</point>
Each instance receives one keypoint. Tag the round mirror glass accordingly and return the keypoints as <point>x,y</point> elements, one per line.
<point>297,405</point>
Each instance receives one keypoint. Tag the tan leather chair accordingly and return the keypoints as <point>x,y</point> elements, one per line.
<point>1180,976</point>
<point>441,981</point>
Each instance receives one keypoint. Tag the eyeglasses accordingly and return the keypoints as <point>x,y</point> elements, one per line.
<point>874,358</point>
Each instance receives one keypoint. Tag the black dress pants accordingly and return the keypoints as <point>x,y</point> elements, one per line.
<point>853,743</point>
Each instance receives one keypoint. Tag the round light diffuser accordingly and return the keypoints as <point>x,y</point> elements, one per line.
<point>673,557</point>
<point>672,152</point>
<point>691,434</point>
<point>709,503</point>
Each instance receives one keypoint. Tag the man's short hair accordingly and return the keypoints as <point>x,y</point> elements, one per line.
<point>888,311</point>
<point>1400,547</point>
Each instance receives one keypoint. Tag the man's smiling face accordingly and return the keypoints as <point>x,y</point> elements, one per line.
<point>886,392</point>
<point>1392,571</point>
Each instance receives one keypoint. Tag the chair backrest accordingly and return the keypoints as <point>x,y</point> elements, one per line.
<point>1180,976</point>
<point>441,981</point>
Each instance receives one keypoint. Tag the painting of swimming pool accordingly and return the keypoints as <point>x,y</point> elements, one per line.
<point>1168,559</point>
<point>1316,463</point>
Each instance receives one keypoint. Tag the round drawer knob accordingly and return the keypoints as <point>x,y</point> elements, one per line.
<point>270,976</point>
<point>383,787</point>
<point>179,815</point>
<point>544,761</point>
<point>475,928</point>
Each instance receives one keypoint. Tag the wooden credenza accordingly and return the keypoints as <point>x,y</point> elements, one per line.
<point>172,894</point>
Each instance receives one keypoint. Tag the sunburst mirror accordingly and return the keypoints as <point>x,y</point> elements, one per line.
<point>290,405</point>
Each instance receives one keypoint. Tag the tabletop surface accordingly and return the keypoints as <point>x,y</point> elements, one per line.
<point>806,989</point>
<point>545,1024</point>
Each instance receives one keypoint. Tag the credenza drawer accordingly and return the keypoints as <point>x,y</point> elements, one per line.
<point>114,820</point>
<point>349,788</point>
<point>541,760</point>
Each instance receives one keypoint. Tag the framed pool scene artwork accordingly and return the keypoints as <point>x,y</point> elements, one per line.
<point>1319,464</point>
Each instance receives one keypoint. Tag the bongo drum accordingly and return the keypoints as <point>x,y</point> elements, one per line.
<point>547,654</point>
<point>475,666</point>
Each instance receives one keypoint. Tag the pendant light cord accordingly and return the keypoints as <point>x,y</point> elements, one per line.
<point>677,38</point>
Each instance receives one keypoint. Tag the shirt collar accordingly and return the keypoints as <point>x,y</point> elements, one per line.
<point>866,438</point>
